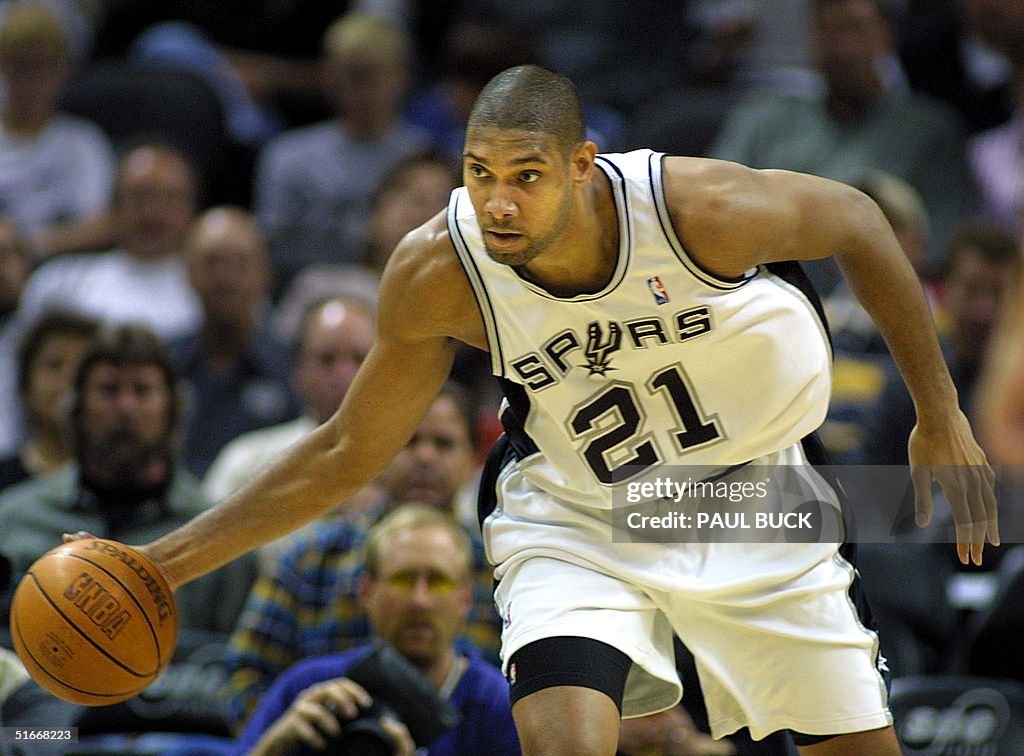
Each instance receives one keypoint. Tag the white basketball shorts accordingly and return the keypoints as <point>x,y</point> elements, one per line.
<point>777,640</point>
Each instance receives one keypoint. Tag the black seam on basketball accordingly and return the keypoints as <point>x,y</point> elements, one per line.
<point>27,649</point>
<point>98,647</point>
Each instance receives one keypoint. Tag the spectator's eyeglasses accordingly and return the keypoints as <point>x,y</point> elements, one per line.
<point>438,583</point>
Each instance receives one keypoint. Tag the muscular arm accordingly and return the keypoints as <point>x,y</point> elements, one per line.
<point>425,303</point>
<point>739,218</point>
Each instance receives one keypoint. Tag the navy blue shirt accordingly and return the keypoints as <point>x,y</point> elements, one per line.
<point>255,393</point>
<point>481,696</point>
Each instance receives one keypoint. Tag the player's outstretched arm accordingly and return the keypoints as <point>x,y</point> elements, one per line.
<point>740,218</point>
<point>418,316</point>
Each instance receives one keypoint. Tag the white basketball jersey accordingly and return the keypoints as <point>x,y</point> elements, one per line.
<point>667,365</point>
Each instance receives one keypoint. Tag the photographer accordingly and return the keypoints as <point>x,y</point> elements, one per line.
<point>416,590</point>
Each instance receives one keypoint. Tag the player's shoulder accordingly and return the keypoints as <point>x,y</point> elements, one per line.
<point>713,189</point>
<point>424,260</point>
<point>424,275</point>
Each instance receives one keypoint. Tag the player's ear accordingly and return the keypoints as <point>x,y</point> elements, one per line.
<point>582,161</point>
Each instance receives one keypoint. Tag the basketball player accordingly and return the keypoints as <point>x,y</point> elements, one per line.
<point>637,311</point>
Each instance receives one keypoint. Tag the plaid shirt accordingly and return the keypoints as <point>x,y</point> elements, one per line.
<point>309,607</point>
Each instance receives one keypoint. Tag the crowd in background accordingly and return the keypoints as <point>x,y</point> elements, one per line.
<point>197,201</point>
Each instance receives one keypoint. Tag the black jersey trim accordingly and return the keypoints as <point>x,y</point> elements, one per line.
<point>668,231</point>
<point>793,273</point>
<point>513,419</point>
<point>476,280</point>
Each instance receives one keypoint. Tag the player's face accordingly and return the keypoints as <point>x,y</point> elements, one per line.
<point>420,597</point>
<point>520,185</point>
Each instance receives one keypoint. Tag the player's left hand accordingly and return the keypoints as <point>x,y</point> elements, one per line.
<point>949,454</point>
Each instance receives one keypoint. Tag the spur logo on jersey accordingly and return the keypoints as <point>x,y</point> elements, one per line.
<point>601,347</point>
<point>658,290</point>
<point>557,355</point>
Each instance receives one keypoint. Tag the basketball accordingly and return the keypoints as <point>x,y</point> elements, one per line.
<point>94,622</point>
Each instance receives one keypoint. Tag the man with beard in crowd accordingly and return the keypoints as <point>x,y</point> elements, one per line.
<point>125,482</point>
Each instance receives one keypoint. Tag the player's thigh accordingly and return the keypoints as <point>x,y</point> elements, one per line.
<point>567,720</point>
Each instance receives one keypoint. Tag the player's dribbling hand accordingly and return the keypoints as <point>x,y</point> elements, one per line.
<point>951,456</point>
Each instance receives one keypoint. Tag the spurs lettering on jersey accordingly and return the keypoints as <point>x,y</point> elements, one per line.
<point>602,343</point>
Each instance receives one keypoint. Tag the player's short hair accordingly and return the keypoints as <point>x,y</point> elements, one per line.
<point>531,98</point>
<point>414,516</point>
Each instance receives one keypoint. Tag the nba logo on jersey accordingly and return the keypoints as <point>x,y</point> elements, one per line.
<point>658,290</point>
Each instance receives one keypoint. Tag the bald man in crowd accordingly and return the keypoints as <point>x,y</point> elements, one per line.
<point>334,338</point>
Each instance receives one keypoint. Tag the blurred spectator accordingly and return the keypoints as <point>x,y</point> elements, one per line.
<point>944,56</point>
<point>334,339</point>
<point>472,52</point>
<point>234,372</point>
<point>416,590</point>
<point>308,605</point>
<point>265,45</point>
<point>313,184</point>
<point>47,359</point>
<point>56,171</point>
<point>412,192</point>
<point>144,279</point>
<point>15,264</point>
<point>861,121</point>
<point>984,263</point>
<point>997,155</point>
<point>125,483</point>
<point>316,284</point>
<point>616,53</point>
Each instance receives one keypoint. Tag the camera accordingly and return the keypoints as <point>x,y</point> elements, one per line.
<point>398,690</point>
<point>364,735</point>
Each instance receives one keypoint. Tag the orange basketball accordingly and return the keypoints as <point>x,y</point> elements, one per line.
<point>94,622</point>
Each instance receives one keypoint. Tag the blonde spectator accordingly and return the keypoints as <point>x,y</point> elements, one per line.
<point>56,171</point>
<point>313,184</point>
